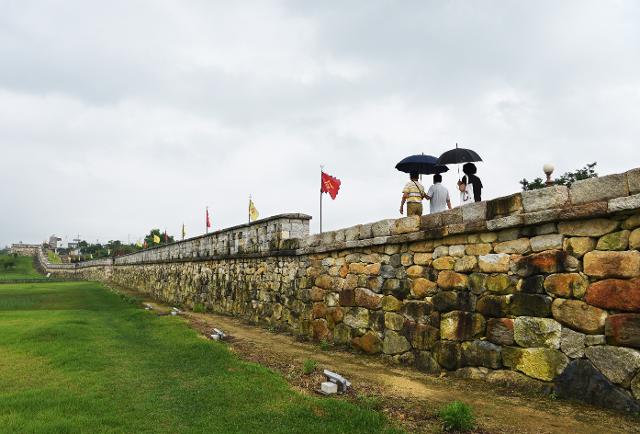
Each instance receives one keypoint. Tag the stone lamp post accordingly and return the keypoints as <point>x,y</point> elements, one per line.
<point>548,170</point>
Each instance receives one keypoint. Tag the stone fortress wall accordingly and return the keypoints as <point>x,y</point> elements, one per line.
<point>545,283</point>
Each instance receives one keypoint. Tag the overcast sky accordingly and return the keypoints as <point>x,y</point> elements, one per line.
<point>120,116</point>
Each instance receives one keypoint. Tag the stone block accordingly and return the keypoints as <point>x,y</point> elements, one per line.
<point>520,246</point>
<point>582,381</point>
<point>422,258</point>
<point>406,225</point>
<point>541,363</point>
<point>390,303</point>
<point>461,326</point>
<point>394,343</point>
<point>612,264</point>
<point>578,315</point>
<point>493,305</point>
<point>591,340</point>
<point>448,354</point>
<point>347,297</point>
<point>633,180</point>
<point>456,251</point>
<point>547,242</point>
<point>373,269</point>
<point>478,249</point>
<point>352,233</point>
<point>618,364</point>
<point>512,221</point>
<point>321,331</point>
<point>452,216</point>
<point>440,252</point>
<point>421,336</point>
<point>537,332</point>
<point>418,311</point>
<point>393,321</point>
<point>426,362</point>
<point>624,203</point>
<point>445,301</point>
<point>545,198</point>
<point>488,237</point>
<point>614,241</point>
<point>504,206</point>
<point>541,217</point>
<point>588,228</point>
<point>415,271</point>
<point>631,222</point>
<point>546,229</point>
<point>530,305</point>
<point>451,280</point>
<point>481,353</point>
<point>494,263</point>
<point>477,282</point>
<point>368,299</point>
<point>508,235</point>
<point>634,239</point>
<point>623,330</point>
<point>475,211</point>
<point>599,189</point>
<point>500,331</point>
<point>342,334</point>
<point>572,343</point>
<point>500,284</point>
<point>357,318</point>
<point>566,285</point>
<point>531,285</point>
<point>369,342</point>
<point>366,230</point>
<point>547,262</point>
<point>465,264</point>
<point>421,288</point>
<point>579,246</point>
<point>444,263</point>
<point>382,228</point>
<point>615,294</point>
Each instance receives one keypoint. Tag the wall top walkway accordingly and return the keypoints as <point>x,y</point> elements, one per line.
<point>288,234</point>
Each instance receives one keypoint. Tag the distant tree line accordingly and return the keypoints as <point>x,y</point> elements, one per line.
<point>114,248</point>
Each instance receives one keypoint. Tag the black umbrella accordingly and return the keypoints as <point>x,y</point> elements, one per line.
<point>458,155</point>
<point>422,164</point>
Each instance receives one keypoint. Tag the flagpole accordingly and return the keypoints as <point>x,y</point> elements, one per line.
<point>206,221</point>
<point>249,210</point>
<point>321,169</point>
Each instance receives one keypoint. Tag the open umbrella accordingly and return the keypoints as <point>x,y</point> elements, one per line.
<point>422,164</point>
<point>459,155</point>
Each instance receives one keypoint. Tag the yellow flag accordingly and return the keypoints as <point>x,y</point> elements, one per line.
<point>156,239</point>
<point>253,211</point>
<point>139,244</point>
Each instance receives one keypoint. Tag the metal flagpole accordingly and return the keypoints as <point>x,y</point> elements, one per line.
<point>321,169</point>
<point>249,209</point>
<point>206,221</point>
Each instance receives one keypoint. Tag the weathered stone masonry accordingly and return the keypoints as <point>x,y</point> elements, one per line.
<point>545,283</point>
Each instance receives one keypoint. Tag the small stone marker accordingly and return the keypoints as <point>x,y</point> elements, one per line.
<point>147,306</point>
<point>218,335</point>
<point>175,311</point>
<point>342,384</point>
<point>329,388</point>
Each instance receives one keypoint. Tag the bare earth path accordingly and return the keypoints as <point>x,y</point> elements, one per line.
<point>408,395</point>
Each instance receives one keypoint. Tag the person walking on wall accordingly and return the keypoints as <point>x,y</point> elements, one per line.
<point>438,195</point>
<point>470,178</point>
<point>412,194</point>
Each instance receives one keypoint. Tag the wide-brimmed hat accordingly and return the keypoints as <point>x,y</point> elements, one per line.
<point>469,169</point>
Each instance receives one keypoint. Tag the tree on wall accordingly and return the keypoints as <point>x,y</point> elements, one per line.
<point>156,232</point>
<point>567,178</point>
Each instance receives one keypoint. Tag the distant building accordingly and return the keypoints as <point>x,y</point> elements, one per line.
<point>53,242</point>
<point>23,249</point>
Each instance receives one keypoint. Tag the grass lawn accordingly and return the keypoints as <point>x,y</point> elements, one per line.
<point>77,358</point>
<point>22,270</point>
<point>53,257</point>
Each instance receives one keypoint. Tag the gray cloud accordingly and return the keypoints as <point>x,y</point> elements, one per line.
<point>120,116</point>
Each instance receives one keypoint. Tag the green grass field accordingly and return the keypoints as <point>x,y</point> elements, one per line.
<point>22,270</point>
<point>75,357</point>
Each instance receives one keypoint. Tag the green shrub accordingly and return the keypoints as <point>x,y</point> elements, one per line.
<point>309,366</point>
<point>324,345</point>
<point>457,416</point>
<point>199,308</point>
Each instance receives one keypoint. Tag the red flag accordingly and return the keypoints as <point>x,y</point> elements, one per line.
<point>166,238</point>
<point>208,220</point>
<point>330,185</point>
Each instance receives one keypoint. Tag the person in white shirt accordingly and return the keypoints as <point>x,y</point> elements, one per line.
<point>438,196</point>
<point>466,191</point>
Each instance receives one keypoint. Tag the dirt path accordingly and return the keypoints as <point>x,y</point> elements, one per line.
<point>408,395</point>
